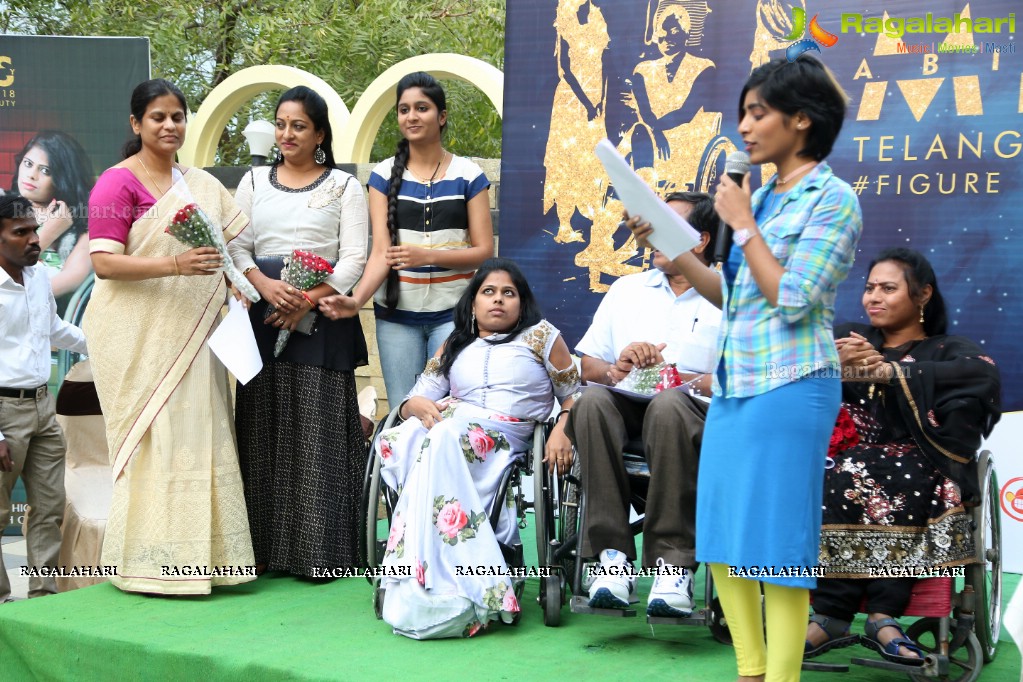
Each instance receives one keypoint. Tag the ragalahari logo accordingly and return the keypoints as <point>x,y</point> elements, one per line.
<point>818,36</point>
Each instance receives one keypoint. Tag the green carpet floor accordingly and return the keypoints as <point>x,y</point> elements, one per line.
<point>281,628</point>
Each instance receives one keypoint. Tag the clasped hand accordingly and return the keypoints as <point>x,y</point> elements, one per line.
<point>202,260</point>
<point>860,360</point>
<point>732,203</point>
<point>289,305</point>
<point>636,354</point>
<point>339,306</point>
<point>58,218</point>
<point>405,256</point>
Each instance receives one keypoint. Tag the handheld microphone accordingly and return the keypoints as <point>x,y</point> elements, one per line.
<point>736,167</point>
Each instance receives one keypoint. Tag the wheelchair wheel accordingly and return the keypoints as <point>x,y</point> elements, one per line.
<point>718,626</point>
<point>551,599</point>
<point>378,599</point>
<point>986,576</point>
<point>712,163</point>
<point>543,506</point>
<point>372,547</point>
<point>568,523</point>
<point>964,663</point>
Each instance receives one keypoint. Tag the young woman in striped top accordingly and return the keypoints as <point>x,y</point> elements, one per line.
<point>430,216</point>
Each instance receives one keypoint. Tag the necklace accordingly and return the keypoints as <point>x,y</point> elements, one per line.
<point>151,178</point>
<point>788,178</point>
<point>435,171</point>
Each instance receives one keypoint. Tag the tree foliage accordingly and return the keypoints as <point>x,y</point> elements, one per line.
<point>348,43</point>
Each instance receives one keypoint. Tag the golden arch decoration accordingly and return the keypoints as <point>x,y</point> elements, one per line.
<point>226,99</point>
<point>356,139</point>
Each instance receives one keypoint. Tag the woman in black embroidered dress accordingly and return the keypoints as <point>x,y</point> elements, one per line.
<point>921,401</point>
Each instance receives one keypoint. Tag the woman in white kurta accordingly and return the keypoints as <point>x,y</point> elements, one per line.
<point>469,417</point>
<point>300,440</point>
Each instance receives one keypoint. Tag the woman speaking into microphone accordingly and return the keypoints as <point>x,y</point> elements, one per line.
<point>777,384</point>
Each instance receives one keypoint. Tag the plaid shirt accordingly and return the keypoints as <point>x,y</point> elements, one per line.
<point>813,233</point>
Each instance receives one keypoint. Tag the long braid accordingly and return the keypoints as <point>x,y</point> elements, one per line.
<point>397,171</point>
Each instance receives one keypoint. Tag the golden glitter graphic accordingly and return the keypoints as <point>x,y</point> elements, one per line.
<point>967,90</point>
<point>919,93</point>
<point>958,40</point>
<point>575,177</point>
<point>871,101</point>
<point>886,44</point>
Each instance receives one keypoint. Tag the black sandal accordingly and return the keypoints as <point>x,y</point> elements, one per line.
<point>837,632</point>
<point>890,651</point>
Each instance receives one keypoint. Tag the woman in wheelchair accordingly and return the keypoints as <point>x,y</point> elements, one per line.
<point>468,418</point>
<point>894,502</point>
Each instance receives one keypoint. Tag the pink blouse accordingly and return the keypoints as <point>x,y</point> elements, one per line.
<point>117,200</point>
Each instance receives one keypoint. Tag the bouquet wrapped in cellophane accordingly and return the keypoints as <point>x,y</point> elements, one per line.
<point>652,379</point>
<point>192,227</point>
<point>302,270</point>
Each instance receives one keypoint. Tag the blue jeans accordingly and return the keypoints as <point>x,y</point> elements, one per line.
<point>404,350</point>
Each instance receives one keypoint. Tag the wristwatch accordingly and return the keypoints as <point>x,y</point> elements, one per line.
<point>741,237</point>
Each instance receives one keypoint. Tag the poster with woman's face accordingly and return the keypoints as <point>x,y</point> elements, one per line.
<point>63,118</point>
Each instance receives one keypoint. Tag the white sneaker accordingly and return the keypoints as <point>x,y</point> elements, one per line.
<point>614,584</point>
<point>672,593</point>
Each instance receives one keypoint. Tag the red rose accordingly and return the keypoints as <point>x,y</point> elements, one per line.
<point>844,435</point>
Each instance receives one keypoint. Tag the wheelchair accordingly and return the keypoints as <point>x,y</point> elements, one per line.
<point>958,625</point>
<point>561,511</point>
<point>379,501</point>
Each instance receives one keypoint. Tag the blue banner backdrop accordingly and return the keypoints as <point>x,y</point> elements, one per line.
<point>932,142</point>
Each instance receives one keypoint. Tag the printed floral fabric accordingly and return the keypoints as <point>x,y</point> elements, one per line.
<point>901,496</point>
<point>447,477</point>
<point>885,504</point>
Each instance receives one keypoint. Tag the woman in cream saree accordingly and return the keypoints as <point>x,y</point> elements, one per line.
<point>177,523</point>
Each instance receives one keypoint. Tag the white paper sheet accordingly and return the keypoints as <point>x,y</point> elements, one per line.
<point>672,235</point>
<point>235,344</point>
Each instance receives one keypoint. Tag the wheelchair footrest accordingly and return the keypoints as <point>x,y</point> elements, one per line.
<point>929,666</point>
<point>582,605</point>
<point>701,617</point>
<point>817,666</point>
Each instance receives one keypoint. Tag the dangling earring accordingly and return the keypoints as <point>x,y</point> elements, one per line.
<point>472,324</point>
<point>921,314</point>
<point>320,156</point>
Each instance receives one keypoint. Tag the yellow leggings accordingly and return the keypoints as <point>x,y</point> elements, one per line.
<point>787,610</point>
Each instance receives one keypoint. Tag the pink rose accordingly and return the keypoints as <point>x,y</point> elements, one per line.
<point>474,628</point>
<point>451,519</point>
<point>504,418</point>
<point>481,443</point>
<point>420,573</point>
<point>385,449</point>
<point>510,603</point>
<point>397,533</point>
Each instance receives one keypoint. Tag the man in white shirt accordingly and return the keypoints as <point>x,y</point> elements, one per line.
<point>31,442</point>
<point>645,319</point>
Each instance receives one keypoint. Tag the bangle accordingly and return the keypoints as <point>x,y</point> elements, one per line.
<point>250,269</point>
<point>308,300</point>
<point>176,271</point>
<point>560,414</point>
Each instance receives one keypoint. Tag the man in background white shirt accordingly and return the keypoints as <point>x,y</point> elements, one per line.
<point>31,442</point>
<point>645,319</point>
